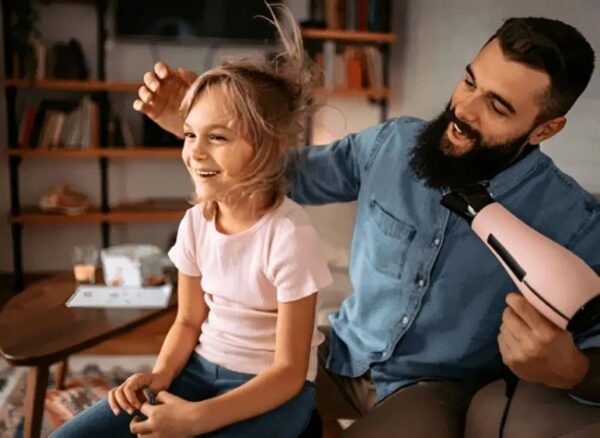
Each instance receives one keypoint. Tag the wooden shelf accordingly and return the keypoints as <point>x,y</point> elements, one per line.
<point>133,87</point>
<point>122,214</point>
<point>71,85</point>
<point>138,152</point>
<point>375,93</point>
<point>348,36</point>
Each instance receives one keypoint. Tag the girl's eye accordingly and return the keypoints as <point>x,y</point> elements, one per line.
<point>216,137</point>
<point>189,135</point>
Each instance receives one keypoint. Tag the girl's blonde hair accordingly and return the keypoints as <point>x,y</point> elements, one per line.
<point>270,100</point>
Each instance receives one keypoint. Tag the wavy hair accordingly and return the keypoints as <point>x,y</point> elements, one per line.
<point>269,99</point>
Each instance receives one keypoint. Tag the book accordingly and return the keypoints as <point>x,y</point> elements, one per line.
<point>106,297</point>
<point>329,50</point>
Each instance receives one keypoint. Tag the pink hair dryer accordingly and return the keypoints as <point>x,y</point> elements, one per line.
<point>558,283</point>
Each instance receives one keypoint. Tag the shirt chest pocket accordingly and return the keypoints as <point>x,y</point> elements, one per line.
<point>387,240</point>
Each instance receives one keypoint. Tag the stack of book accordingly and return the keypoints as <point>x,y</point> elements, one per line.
<point>61,60</point>
<point>68,124</point>
<point>351,67</point>
<point>357,15</point>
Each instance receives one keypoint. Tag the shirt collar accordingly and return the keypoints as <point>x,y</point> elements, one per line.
<point>515,174</point>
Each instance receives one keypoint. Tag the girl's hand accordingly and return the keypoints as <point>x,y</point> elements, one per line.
<point>129,396</point>
<point>170,417</point>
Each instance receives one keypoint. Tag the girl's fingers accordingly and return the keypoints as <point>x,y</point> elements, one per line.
<point>122,401</point>
<point>131,397</point>
<point>112,402</point>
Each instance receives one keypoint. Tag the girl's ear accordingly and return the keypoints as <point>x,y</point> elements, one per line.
<point>547,130</point>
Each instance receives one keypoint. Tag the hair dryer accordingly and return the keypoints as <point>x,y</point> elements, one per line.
<point>555,281</point>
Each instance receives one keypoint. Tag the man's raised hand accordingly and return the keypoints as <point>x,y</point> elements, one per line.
<point>161,95</point>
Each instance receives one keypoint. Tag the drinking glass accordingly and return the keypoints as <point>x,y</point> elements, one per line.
<point>85,260</point>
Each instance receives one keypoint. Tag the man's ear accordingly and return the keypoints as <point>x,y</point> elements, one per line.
<point>547,129</point>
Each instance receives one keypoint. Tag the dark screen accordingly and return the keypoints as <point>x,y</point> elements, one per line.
<point>186,19</point>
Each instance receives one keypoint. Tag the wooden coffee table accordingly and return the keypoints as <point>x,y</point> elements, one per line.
<point>39,330</point>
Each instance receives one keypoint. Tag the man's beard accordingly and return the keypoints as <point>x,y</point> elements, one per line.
<point>480,163</point>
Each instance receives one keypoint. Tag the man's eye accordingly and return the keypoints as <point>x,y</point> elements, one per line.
<point>497,110</point>
<point>189,135</point>
<point>469,83</point>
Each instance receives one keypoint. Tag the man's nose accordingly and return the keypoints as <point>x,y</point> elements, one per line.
<point>467,109</point>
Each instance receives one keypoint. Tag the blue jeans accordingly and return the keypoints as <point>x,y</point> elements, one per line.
<point>200,380</point>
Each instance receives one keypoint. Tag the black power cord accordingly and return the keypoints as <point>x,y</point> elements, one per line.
<point>511,386</point>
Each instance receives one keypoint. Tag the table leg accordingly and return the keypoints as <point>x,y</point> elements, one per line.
<point>37,383</point>
<point>59,374</point>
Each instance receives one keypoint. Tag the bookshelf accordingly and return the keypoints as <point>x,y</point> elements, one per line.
<point>131,87</point>
<point>108,152</point>
<point>348,36</point>
<point>104,214</point>
<point>119,214</point>
<point>99,148</point>
<point>71,85</point>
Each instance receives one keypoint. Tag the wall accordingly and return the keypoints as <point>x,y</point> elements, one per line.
<point>441,38</point>
<point>436,39</point>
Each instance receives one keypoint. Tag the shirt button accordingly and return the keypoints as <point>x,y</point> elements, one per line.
<point>405,320</point>
<point>436,242</point>
<point>421,282</point>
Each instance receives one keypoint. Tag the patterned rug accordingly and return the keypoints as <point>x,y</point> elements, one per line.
<point>88,381</point>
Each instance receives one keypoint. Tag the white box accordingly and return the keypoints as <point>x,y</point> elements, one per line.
<point>132,265</point>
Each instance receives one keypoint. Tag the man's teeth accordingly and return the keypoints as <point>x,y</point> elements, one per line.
<point>457,128</point>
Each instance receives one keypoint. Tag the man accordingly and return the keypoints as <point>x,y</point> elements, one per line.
<point>430,320</point>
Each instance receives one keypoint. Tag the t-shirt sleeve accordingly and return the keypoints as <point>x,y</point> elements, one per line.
<point>183,253</point>
<point>296,265</point>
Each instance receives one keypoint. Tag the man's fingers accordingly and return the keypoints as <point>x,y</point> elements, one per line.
<point>188,76</point>
<point>513,324</point>
<point>138,105</point>
<point>145,95</point>
<point>162,70</point>
<point>527,312</point>
<point>509,337</point>
<point>151,81</point>
<point>504,348</point>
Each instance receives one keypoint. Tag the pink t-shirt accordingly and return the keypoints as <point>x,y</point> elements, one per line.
<point>244,276</point>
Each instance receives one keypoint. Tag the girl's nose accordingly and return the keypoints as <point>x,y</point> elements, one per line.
<point>199,156</point>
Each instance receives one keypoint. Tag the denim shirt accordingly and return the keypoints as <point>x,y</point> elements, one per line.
<point>428,295</point>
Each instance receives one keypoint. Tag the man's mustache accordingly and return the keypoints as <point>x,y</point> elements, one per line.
<point>466,129</point>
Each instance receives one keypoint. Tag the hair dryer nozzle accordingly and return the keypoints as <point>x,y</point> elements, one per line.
<point>468,201</point>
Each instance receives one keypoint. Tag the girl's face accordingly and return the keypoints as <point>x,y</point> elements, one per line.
<point>213,153</point>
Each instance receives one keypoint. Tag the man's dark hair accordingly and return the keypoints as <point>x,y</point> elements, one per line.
<point>555,48</point>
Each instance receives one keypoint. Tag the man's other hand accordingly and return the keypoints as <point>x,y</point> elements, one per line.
<point>536,350</point>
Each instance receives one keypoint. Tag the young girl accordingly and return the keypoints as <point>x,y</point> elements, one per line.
<point>240,358</point>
